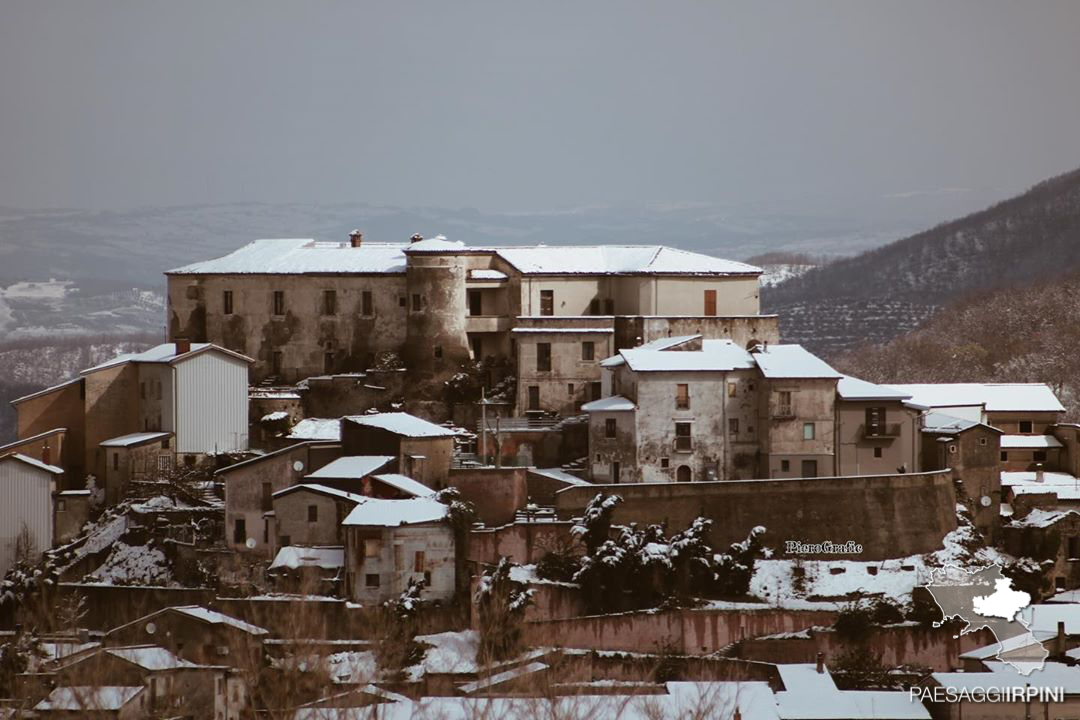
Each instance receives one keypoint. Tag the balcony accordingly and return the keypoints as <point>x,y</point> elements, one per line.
<point>487,323</point>
<point>884,431</point>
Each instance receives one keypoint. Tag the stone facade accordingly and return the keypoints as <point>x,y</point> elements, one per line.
<point>380,561</point>
<point>306,516</point>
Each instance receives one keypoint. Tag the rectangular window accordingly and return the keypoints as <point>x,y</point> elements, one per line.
<point>665,463</point>
<point>682,396</point>
<point>875,420</point>
<point>1004,456</point>
<point>615,472</point>
<point>416,302</point>
<point>1039,456</point>
<point>371,548</point>
<point>547,302</point>
<point>418,561</point>
<point>226,302</point>
<point>367,304</point>
<point>785,466</point>
<point>1025,426</point>
<point>534,397</point>
<point>329,302</point>
<point>476,303</point>
<point>239,531</point>
<point>328,362</point>
<point>733,426</point>
<point>570,389</point>
<point>808,431</point>
<point>543,357</point>
<point>312,513</point>
<point>683,440</point>
<point>783,404</point>
<point>609,306</point>
<point>61,506</point>
<point>710,302</point>
<point>266,531</point>
<point>279,302</point>
<point>877,452</point>
<point>116,460</point>
<point>588,350</point>
<point>610,426</point>
<point>371,580</point>
<point>401,301</point>
<point>595,389</point>
<point>732,388</point>
<point>267,496</point>
<point>1074,547</point>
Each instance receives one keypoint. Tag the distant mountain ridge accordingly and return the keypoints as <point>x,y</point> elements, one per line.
<point>884,292</point>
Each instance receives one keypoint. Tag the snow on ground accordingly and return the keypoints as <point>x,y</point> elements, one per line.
<point>826,584</point>
<point>352,666</point>
<point>450,652</point>
<point>776,274</point>
<point>133,565</point>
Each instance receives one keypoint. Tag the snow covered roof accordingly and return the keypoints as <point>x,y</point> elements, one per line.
<point>164,353</point>
<point>996,397</point>
<point>810,695</point>
<point>352,467</point>
<point>132,439</point>
<point>1016,642</point>
<point>1014,442</point>
<point>792,361</point>
<point>1000,674</point>
<point>941,423</point>
<point>316,429</point>
<point>321,490</point>
<point>46,391</point>
<point>715,355</point>
<point>402,424</point>
<point>89,697</point>
<point>594,330</point>
<point>150,657</point>
<point>35,463</point>
<point>391,513</point>
<point>559,474</point>
<point>405,484</point>
<point>618,260</point>
<point>216,618</point>
<point>297,256</point>
<point>852,388</point>
<point>294,557</point>
<point>1045,617</point>
<point>1063,485</point>
<point>493,275</point>
<point>437,244</point>
<point>615,403</point>
<point>658,344</point>
<point>1039,518</point>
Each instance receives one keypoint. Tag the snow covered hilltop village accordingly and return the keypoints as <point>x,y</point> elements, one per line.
<point>428,478</point>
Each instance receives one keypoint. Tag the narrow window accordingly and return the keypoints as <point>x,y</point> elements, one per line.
<point>418,561</point>
<point>312,513</point>
<point>226,302</point>
<point>733,426</point>
<point>783,404</point>
<point>367,304</point>
<point>610,427</point>
<point>731,389</point>
<point>710,302</point>
<point>543,357</point>
<point>116,460</point>
<point>401,301</point>
<point>476,303</point>
<point>595,389</point>
<point>329,302</point>
<point>615,472</point>
<point>683,440</point>
<point>1004,456</point>
<point>267,496</point>
<point>588,350</point>
<point>547,302</point>
<point>682,396</point>
<point>570,389</point>
<point>808,431</point>
<point>416,302</point>
<point>239,531</point>
<point>279,302</point>
<point>534,397</point>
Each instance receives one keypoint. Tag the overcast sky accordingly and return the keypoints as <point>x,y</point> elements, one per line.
<point>515,106</point>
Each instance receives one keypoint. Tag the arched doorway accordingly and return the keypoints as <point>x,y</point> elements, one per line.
<point>682,474</point>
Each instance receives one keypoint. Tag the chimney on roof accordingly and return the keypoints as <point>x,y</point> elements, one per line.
<point>820,666</point>
<point>1040,476</point>
<point>416,238</point>
<point>356,238</point>
<point>46,453</point>
<point>1059,639</point>
<point>183,345</point>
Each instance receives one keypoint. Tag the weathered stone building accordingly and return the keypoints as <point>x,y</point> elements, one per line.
<point>303,308</point>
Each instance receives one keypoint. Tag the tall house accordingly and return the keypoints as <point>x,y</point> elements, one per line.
<point>302,308</point>
<point>133,416</point>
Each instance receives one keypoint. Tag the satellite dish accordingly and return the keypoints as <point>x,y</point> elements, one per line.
<point>151,628</point>
<point>298,465</point>
<point>985,501</point>
<point>250,543</point>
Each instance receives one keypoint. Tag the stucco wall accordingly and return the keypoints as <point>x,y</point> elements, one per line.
<point>395,562</point>
<point>291,519</point>
<point>890,515</point>
<point>855,450</point>
<point>62,408</point>
<point>497,493</point>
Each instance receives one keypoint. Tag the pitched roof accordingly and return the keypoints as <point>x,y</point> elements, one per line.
<point>618,260</point>
<point>715,355</point>
<point>89,697</point>
<point>352,467</point>
<point>391,513</point>
<point>658,344</point>
<point>996,397</point>
<point>402,424</point>
<point>35,463</point>
<point>320,490</point>
<point>150,657</point>
<point>165,353</point>
<point>615,403</point>
<point>405,484</point>
<point>214,617</point>
<point>316,429</point>
<point>792,361</point>
<point>132,439</point>
<point>1015,442</point>
<point>293,557</point>
<point>852,388</point>
<point>293,256</point>
<point>940,423</point>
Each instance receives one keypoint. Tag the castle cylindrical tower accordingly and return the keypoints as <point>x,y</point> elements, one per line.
<point>435,339</point>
